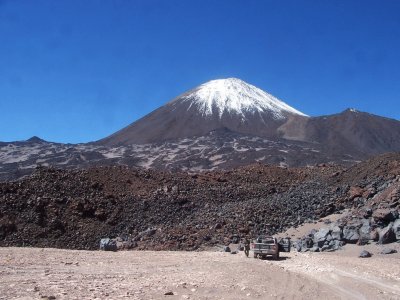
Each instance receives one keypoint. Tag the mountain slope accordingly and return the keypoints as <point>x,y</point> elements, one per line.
<point>219,104</point>
<point>232,105</point>
<point>353,132</point>
<point>221,124</point>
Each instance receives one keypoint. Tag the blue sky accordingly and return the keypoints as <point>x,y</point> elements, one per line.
<point>77,71</point>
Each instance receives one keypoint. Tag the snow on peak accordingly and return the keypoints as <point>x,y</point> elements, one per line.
<point>236,96</point>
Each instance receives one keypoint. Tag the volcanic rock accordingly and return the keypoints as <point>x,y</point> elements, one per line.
<point>350,234</point>
<point>388,251</point>
<point>385,215</point>
<point>387,235</point>
<point>396,228</point>
<point>365,254</point>
<point>77,208</point>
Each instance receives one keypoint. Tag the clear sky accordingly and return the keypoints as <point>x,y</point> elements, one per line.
<point>79,70</point>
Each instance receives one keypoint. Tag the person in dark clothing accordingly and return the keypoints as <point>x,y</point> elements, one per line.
<point>246,247</point>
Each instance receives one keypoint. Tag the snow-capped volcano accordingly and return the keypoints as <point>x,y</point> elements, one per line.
<point>224,104</point>
<point>233,95</point>
<point>218,125</point>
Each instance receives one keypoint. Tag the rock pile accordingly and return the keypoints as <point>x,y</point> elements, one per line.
<point>116,244</point>
<point>325,239</point>
<point>375,218</point>
<point>147,209</point>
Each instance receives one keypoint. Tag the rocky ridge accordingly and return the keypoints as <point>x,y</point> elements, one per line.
<point>375,210</point>
<point>216,150</point>
<point>150,209</point>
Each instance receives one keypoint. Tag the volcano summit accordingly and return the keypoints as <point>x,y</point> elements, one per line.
<point>234,96</point>
<point>229,104</point>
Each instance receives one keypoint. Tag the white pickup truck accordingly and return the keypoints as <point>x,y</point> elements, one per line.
<point>269,245</point>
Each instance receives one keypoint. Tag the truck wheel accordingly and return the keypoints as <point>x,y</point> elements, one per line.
<point>255,255</point>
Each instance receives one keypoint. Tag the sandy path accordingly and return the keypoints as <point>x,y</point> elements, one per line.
<point>31,273</point>
<point>349,276</point>
<point>343,271</point>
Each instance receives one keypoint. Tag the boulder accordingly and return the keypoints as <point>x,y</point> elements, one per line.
<point>350,234</point>
<point>367,213</point>
<point>307,243</point>
<point>108,244</point>
<point>150,231</point>
<point>103,243</point>
<point>387,235</point>
<point>396,228</point>
<point>325,248</point>
<point>388,251</point>
<point>385,215</point>
<point>226,249</point>
<point>312,232</point>
<point>362,241</point>
<point>365,230</point>
<point>304,244</point>
<point>365,254</point>
<point>125,245</point>
<point>235,239</point>
<point>321,236</point>
<point>321,233</point>
<point>336,232</point>
<point>355,191</point>
<point>336,245</point>
<point>365,233</point>
<point>375,235</point>
<point>218,226</point>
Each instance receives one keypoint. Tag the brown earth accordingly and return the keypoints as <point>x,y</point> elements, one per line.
<point>157,210</point>
<point>33,273</point>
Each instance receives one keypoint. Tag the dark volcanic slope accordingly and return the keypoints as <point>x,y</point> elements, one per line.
<point>353,132</point>
<point>180,119</point>
<point>162,210</point>
<point>226,104</point>
<point>222,150</point>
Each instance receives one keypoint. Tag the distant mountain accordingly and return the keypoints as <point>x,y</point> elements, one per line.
<point>353,132</point>
<point>230,104</point>
<point>241,108</point>
<point>35,139</point>
<point>221,124</point>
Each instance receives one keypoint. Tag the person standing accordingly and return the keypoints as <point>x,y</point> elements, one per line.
<point>246,246</point>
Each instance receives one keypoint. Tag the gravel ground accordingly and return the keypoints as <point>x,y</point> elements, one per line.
<point>34,273</point>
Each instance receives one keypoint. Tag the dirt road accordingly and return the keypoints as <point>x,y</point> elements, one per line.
<point>32,273</point>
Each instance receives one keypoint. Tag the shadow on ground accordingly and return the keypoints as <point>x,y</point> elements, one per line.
<point>281,258</point>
